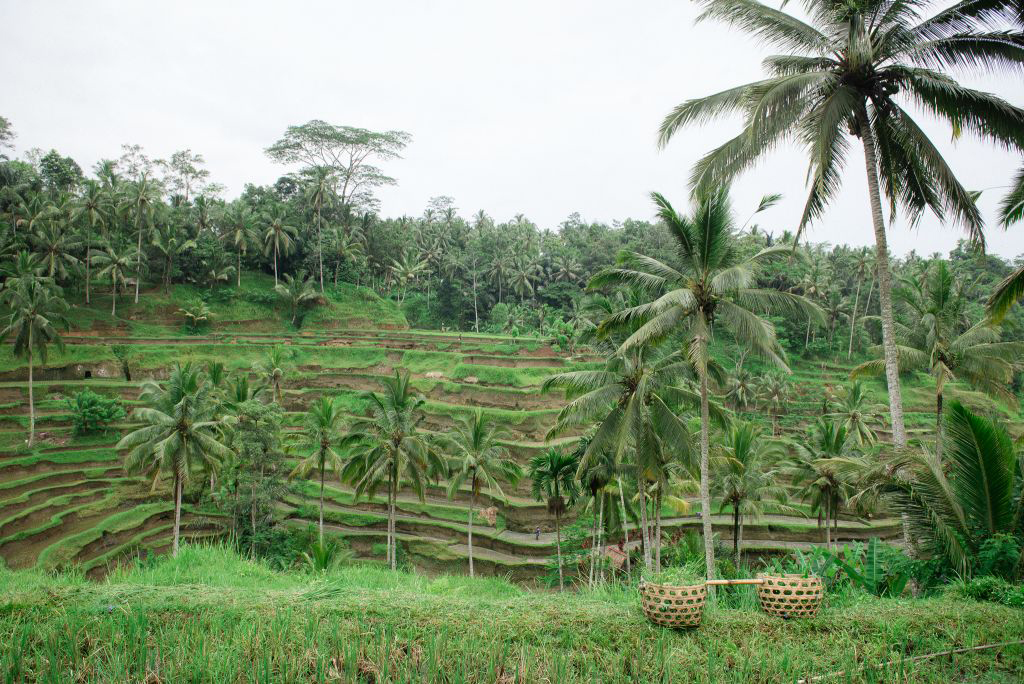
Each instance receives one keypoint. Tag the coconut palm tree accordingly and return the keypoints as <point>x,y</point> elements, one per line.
<point>745,480</point>
<point>847,73</point>
<point>857,414</point>
<point>171,241</point>
<point>196,314</point>
<point>815,472</point>
<point>36,314</point>
<point>939,343</point>
<point>478,458</point>
<point>56,246</point>
<point>180,433</point>
<point>406,269</point>
<point>320,439</point>
<point>709,285</point>
<point>389,451</point>
<point>498,271</point>
<point>238,230</point>
<point>278,235</point>
<point>319,191</point>
<point>113,265</point>
<point>94,206</point>
<point>774,395</point>
<point>347,247</point>
<point>1011,289</point>
<point>861,264</point>
<point>297,291</point>
<point>271,367</point>
<point>141,199</point>
<point>553,477</point>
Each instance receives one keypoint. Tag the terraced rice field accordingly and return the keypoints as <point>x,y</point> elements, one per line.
<point>68,501</point>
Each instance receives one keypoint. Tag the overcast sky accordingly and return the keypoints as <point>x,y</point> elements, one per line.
<point>539,107</point>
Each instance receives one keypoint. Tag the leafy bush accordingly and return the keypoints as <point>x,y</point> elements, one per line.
<point>327,555</point>
<point>91,412</point>
<point>880,570</point>
<point>995,589</point>
<point>999,555</point>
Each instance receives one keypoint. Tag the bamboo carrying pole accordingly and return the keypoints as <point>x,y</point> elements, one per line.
<point>725,582</point>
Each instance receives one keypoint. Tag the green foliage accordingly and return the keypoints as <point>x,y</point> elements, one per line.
<point>879,569</point>
<point>327,554</point>
<point>91,413</point>
<point>995,589</point>
<point>999,555</point>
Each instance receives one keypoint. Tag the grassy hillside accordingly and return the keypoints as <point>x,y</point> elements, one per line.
<point>210,616</point>
<point>68,502</point>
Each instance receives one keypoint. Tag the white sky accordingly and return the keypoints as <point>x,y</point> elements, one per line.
<point>539,107</point>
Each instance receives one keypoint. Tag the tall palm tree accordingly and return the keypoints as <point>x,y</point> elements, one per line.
<point>814,471</point>
<point>319,192</point>
<point>141,200</point>
<point>1011,289</point>
<point>774,390</point>
<point>56,246</point>
<point>478,457</point>
<point>633,400</point>
<point>709,285</point>
<point>238,230</point>
<point>36,314</point>
<point>388,450</point>
<point>861,264</point>
<point>498,271</point>
<point>745,479</point>
<point>94,207</point>
<point>320,437</point>
<point>278,235</point>
<point>939,342</point>
<point>347,247</point>
<point>406,269</point>
<point>297,291</point>
<point>170,240</point>
<point>847,72</point>
<point>553,477</point>
<point>180,433</point>
<point>113,265</point>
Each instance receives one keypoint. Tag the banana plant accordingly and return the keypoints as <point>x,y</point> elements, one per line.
<point>874,571</point>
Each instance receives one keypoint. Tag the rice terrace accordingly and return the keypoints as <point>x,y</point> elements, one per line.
<point>284,413</point>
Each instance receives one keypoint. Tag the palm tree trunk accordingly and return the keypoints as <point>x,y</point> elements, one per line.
<point>625,529</point>
<point>705,477</point>
<point>212,481</point>
<point>472,503</point>
<point>321,502</point>
<point>275,263</point>
<point>828,520</point>
<point>938,423</point>
<point>177,514</point>
<point>31,396</point>
<point>87,269</point>
<point>736,531</point>
<point>657,532</point>
<point>320,250</point>
<point>600,540</point>
<point>807,337</point>
<point>391,524</point>
<point>867,302</point>
<point>138,267</point>
<point>238,270</point>
<point>593,549</point>
<point>643,527</point>
<point>892,371</point>
<point>476,315</point>
<point>558,549</point>
<point>853,321</point>
<point>739,545</point>
<point>113,295</point>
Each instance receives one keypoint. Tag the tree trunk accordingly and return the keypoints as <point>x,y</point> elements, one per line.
<point>867,302</point>
<point>593,547</point>
<point>391,523</point>
<point>87,266</point>
<point>212,481</point>
<point>275,263</point>
<point>472,504</point>
<point>138,267</point>
<point>643,527</point>
<point>705,478</point>
<point>177,514</point>
<point>476,315</point>
<point>320,250</point>
<point>657,532</point>
<point>321,502</point>
<point>739,546</point>
<point>238,270</point>
<point>938,423</point>
<point>807,337</point>
<point>31,396</point>
<point>625,529</point>
<point>892,372</point>
<point>828,520</point>
<point>558,549</point>
<point>853,321</point>
<point>600,538</point>
<point>736,531</point>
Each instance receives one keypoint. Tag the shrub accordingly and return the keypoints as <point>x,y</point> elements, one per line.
<point>999,555</point>
<point>91,412</point>
<point>995,589</point>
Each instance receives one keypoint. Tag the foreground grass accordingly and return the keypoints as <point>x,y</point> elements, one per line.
<point>212,616</point>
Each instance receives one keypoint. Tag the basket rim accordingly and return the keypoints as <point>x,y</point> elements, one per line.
<point>788,577</point>
<point>702,585</point>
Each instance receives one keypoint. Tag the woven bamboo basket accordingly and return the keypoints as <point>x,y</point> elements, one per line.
<point>790,596</point>
<point>670,605</point>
